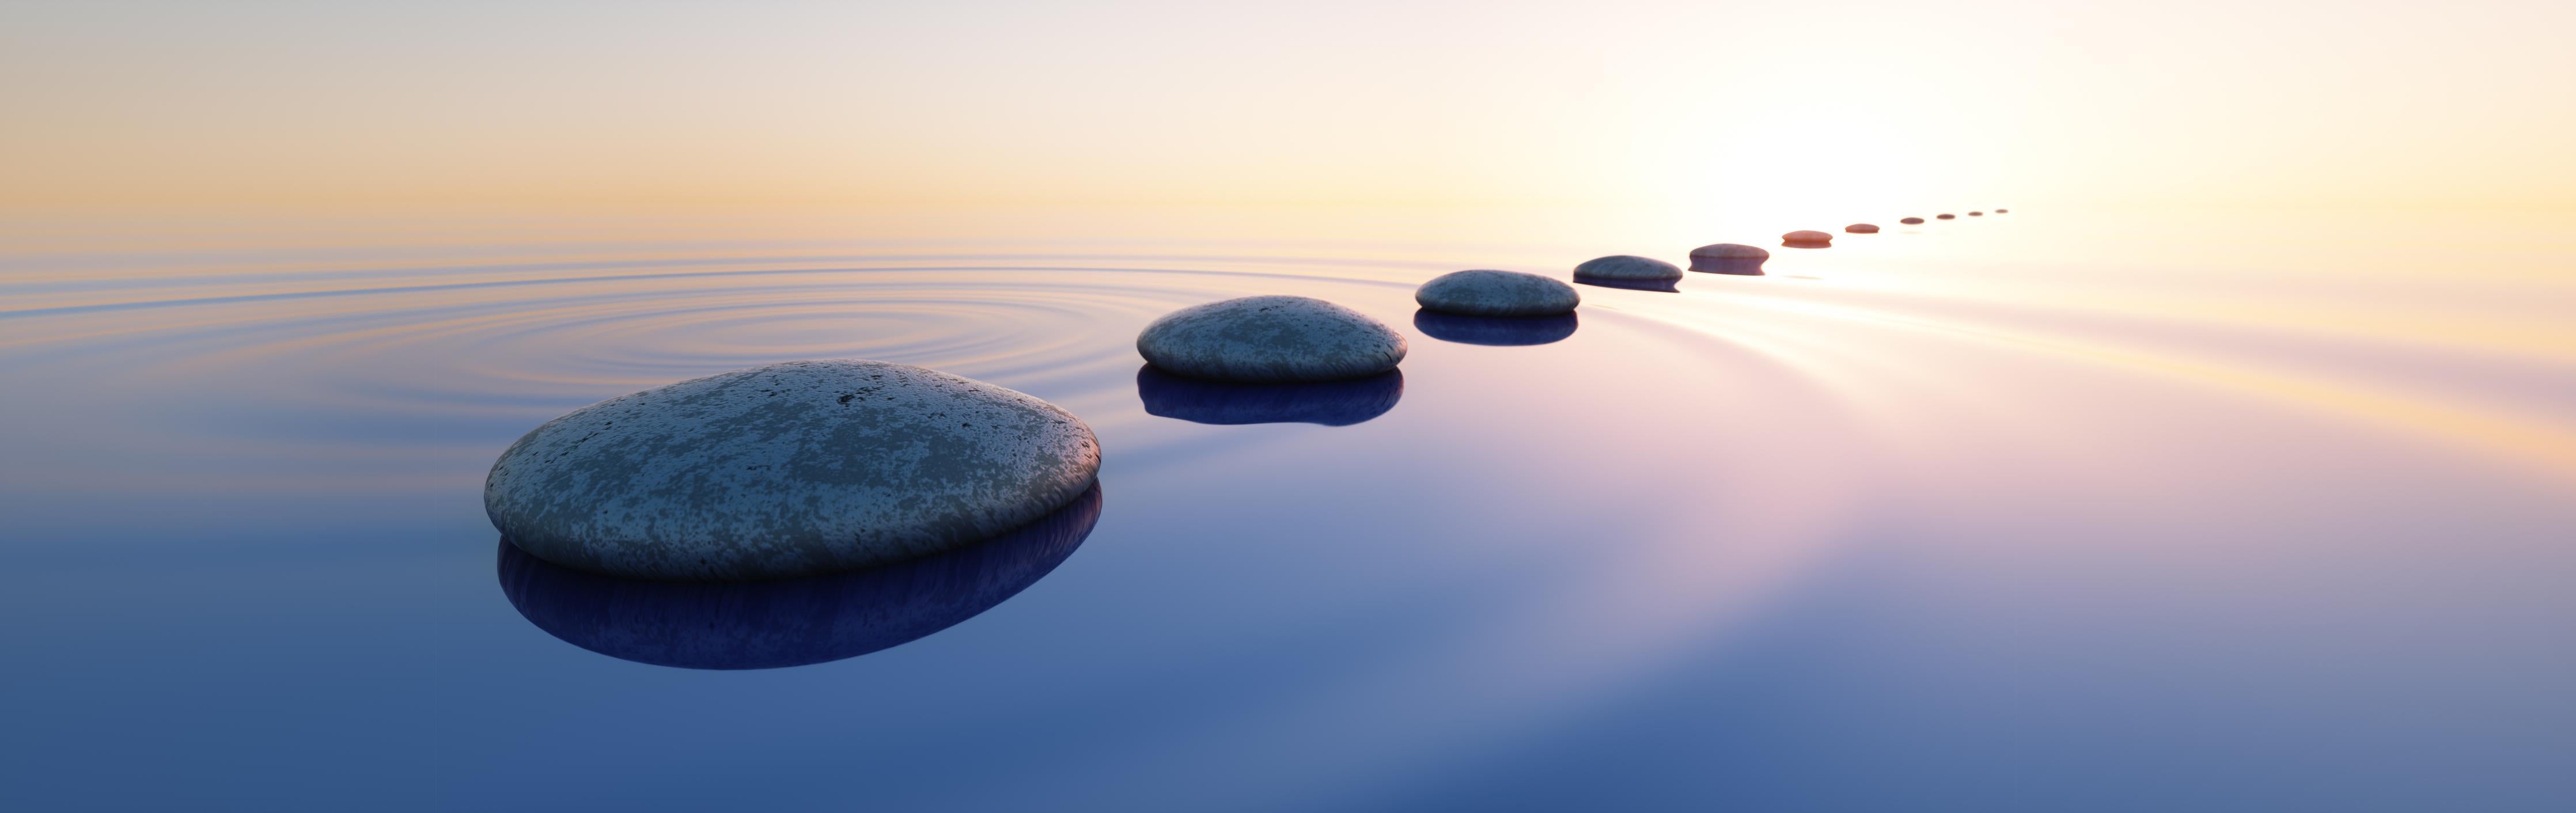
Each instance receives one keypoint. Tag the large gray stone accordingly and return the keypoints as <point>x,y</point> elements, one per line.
<point>1628,268</point>
<point>1729,258</point>
<point>791,469</point>
<point>1269,339</point>
<point>1497,293</point>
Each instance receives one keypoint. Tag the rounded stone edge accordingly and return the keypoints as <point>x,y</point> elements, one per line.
<point>1574,298</point>
<point>1394,355</point>
<point>1730,251</point>
<point>1594,268</point>
<point>575,552</point>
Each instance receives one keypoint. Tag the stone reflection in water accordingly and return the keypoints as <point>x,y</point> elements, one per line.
<point>789,622</point>
<point>1664,286</point>
<point>1330,403</point>
<point>1500,331</point>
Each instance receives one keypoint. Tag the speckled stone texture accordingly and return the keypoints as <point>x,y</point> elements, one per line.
<point>1497,293</point>
<point>1912,221</point>
<point>1807,238</point>
<point>792,469</point>
<point>1629,268</point>
<point>1270,339</point>
<point>1861,228</point>
<point>1729,258</point>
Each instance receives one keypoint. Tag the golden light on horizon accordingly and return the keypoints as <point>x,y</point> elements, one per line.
<point>574,107</point>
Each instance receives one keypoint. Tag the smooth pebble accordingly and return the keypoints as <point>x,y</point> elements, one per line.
<point>792,469</point>
<point>1497,293</point>
<point>1729,258</point>
<point>1270,339</point>
<point>1626,267</point>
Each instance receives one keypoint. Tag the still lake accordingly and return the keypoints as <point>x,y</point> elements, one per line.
<point>2053,510</point>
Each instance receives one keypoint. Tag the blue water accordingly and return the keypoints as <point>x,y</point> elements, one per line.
<point>2034,512</point>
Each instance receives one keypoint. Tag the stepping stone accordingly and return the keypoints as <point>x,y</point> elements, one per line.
<point>1497,293</point>
<point>1729,258</point>
<point>1270,339</point>
<point>792,469</point>
<point>1627,268</point>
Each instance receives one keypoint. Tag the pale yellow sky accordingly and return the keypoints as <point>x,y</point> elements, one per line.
<point>662,107</point>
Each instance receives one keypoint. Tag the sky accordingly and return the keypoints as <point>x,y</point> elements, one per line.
<point>256,106</point>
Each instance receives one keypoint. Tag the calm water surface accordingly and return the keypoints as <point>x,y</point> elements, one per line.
<point>2041,511</point>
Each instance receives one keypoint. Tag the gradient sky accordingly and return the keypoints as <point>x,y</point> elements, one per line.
<point>336,107</point>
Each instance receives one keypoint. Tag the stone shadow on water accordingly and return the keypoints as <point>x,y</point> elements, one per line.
<point>1498,331</point>
<point>1738,266</point>
<point>789,622</point>
<point>1329,403</point>
<point>1660,285</point>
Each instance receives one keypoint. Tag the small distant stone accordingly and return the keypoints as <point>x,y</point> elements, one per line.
<point>2003,211</point>
<point>793,469</point>
<point>1729,258</point>
<point>1861,228</point>
<point>1947,216</point>
<point>1976,214</point>
<point>1912,221</point>
<point>1627,268</point>
<point>1497,293</point>
<point>1270,339</point>
<point>1807,238</point>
